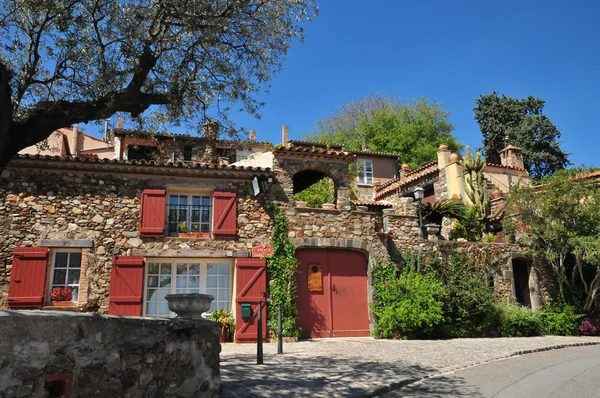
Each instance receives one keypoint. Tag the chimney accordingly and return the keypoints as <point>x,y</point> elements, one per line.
<point>253,135</point>
<point>74,141</point>
<point>211,133</point>
<point>443,156</point>
<point>285,136</point>
<point>405,169</point>
<point>512,156</point>
<point>120,122</point>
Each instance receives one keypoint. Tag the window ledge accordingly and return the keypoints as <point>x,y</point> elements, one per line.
<point>72,308</point>
<point>364,185</point>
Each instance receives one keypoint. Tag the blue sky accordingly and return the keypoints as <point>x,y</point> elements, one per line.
<point>451,51</point>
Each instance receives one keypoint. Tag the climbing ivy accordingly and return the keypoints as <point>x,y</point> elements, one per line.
<point>283,287</point>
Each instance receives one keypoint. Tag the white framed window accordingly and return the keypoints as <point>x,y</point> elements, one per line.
<point>192,209</point>
<point>66,270</point>
<point>364,172</point>
<point>364,196</point>
<point>169,276</point>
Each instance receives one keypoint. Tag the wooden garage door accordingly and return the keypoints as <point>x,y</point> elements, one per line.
<point>335,302</point>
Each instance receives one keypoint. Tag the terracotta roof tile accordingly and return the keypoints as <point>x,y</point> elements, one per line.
<point>314,151</point>
<point>365,202</point>
<point>413,175</point>
<point>504,167</point>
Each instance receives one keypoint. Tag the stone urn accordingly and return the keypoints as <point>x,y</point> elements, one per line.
<point>300,203</point>
<point>432,229</point>
<point>189,306</point>
<point>328,206</point>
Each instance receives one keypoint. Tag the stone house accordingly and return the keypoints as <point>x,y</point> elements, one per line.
<point>112,231</point>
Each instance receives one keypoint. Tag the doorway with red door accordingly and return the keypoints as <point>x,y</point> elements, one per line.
<point>332,293</point>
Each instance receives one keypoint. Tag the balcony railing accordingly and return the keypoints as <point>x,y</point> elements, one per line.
<point>195,217</point>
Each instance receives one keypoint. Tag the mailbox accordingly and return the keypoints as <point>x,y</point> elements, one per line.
<point>246,310</point>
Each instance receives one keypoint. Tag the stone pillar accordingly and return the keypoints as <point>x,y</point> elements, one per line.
<point>74,142</point>
<point>285,136</point>
<point>512,156</point>
<point>211,132</point>
<point>443,156</point>
<point>252,135</point>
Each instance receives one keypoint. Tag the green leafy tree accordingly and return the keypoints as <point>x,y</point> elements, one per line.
<point>320,192</point>
<point>282,266</point>
<point>412,129</point>
<point>523,121</point>
<point>72,61</point>
<point>559,223</point>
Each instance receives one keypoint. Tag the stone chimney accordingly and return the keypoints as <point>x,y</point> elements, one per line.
<point>74,142</point>
<point>120,122</point>
<point>443,156</point>
<point>512,156</point>
<point>253,135</point>
<point>211,133</point>
<point>285,136</point>
<point>404,169</point>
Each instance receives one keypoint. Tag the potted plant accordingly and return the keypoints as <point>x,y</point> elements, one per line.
<point>378,224</point>
<point>62,297</point>
<point>225,318</point>
<point>183,231</point>
<point>434,213</point>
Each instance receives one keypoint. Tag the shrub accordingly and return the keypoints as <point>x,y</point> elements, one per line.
<point>590,326</point>
<point>435,212</point>
<point>518,321</point>
<point>558,319</point>
<point>407,306</point>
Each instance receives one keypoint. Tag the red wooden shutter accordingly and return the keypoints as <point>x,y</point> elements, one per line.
<point>126,286</point>
<point>251,282</point>
<point>152,212</point>
<point>225,215</point>
<point>28,277</point>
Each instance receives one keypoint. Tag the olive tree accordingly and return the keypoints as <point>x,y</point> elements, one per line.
<point>166,61</point>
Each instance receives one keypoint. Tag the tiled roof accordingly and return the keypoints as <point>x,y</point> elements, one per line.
<point>142,134</point>
<point>341,147</point>
<point>411,176</point>
<point>593,174</point>
<point>504,167</point>
<point>315,143</point>
<point>140,166</point>
<point>305,151</point>
<point>364,202</point>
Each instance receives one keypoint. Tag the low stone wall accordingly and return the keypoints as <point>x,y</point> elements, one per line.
<point>106,356</point>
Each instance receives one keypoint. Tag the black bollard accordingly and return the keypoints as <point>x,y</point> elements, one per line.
<point>279,333</point>
<point>259,347</point>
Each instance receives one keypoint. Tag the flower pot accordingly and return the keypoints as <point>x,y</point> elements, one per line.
<point>378,226</point>
<point>432,229</point>
<point>191,235</point>
<point>62,304</point>
<point>224,335</point>
<point>189,306</point>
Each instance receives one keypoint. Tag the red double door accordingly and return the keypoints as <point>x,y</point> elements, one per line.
<point>335,302</point>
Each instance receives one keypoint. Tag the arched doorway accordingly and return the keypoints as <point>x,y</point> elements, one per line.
<point>332,293</point>
<point>521,271</point>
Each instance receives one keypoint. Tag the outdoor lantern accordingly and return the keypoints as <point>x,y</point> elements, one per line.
<point>419,193</point>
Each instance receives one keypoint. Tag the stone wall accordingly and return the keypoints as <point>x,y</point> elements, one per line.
<point>38,204</point>
<point>106,356</point>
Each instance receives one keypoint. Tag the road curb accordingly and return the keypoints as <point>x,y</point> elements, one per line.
<point>407,381</point>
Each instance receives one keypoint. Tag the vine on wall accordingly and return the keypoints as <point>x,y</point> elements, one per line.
<point>282,266</point>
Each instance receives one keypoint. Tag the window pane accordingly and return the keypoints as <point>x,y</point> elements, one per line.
<point>59,277</point>
<point>206,201</point>
<point>152,295</point>
<point>194,269</point>
<point>181,281</point>
<point>205,215</point>
<point>224,269</point>
<point>182,269</point>
<point>163,310</point>
<point>61,260</point>
<point>181,291</point>
<point>162,293</point>
<point>153,281</point>
<point>165,269</point>
<point>165,281</point>
<point>211,269</point>
<point>73,277</point>
<point>224,281</point>
<point>151,308</point>
<point>223,295</point>
<point>75,260</point>
<point>153,268</point>
<point>194,282</point>
<point>173,199</point>
<point>75,293</point>
<point>211,281</point>
<point>183,200</point>
<point>204,228</point>
<point>196,200</point>
<point>212,292</point>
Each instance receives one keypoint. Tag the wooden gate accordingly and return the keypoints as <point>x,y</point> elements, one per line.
<point>332,293</point>
<point>251,283</point>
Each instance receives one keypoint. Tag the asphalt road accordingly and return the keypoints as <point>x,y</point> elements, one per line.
<point>569,372</point>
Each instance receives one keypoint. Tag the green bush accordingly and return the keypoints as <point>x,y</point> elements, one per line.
<point>406,306</point>
<point>518,321</point>
<point>560,320</point>
<point>322,191</point>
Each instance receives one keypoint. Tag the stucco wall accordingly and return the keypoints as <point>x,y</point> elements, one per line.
<point>108,356</point>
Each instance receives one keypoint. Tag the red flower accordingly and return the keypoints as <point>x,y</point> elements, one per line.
<point>61,294</point>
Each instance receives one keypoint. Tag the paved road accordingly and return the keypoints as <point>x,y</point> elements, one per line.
<point>352,367</point>
<point>570,372</point>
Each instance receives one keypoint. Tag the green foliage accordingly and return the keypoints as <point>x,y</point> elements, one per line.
<point>527,128</point>
<point>469,300</point>
<point>518,321</point>
<point>436,211</point>
<point>412,129</point>
<point>476,186</point>
<point>322,191</point>
<point>283,287</point>
<point>189,61</point>
<point>225,318</point>
<point>407,306</point>
<point>559,319</point>
<point>470,227</point>
<point>561,226</point>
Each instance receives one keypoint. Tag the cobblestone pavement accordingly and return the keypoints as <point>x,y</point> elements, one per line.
<point>361,366</point>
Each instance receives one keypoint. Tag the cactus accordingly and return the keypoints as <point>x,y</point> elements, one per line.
<point>476,184</point>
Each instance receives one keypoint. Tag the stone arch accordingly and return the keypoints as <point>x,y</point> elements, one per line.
<point>308,177</point>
